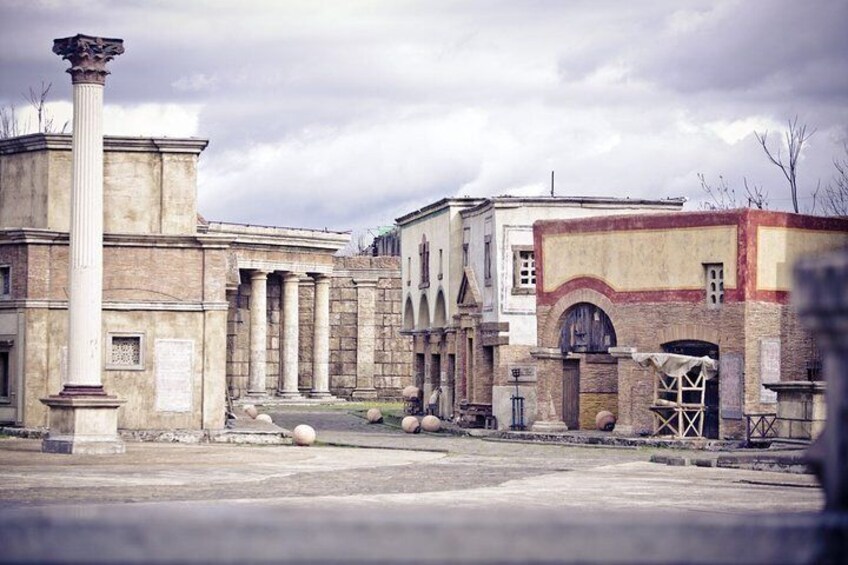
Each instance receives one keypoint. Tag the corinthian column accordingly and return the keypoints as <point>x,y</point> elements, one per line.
<point>91,426</point>
<point>291,335</point>
<point>321,339</point>
<point>258,332</point>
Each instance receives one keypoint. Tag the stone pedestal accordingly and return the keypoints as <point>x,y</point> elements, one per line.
<point>84,424</point>
<point>800,409</point>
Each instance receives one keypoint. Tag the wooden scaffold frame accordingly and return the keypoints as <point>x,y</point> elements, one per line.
<point>678,405</point>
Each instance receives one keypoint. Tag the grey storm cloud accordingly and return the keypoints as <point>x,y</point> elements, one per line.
<point>348,114</point>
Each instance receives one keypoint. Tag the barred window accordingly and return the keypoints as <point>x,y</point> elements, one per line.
<point>715,284</point>
<point>525,268</point>
<point>125,352</point>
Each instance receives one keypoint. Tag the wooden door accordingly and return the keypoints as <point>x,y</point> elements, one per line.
<point>571,394</point>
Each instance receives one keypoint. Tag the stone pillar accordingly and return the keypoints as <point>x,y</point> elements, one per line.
<point>321,339</point>
<point>258,332</point>
<point>365,338</point>
<point>290,336</point>
<point>821,297</point>
<point>83,418</point>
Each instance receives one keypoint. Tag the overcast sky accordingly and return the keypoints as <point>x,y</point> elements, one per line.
<point>348,114</point>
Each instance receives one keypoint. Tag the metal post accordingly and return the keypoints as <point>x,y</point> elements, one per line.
<point>517,404</point>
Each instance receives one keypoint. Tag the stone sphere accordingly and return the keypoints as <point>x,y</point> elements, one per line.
<point>431,424</point>
<point>303,435</point>
<point>264,418</point>
<point>374,416</point>
<point>605,421</point>
<point>410,392</point>
<point>410,425</point>
<point>250,410</point>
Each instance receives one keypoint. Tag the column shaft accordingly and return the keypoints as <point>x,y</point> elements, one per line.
<point>291,335</point>
<point>86,239</point>
<point>258,332</point>
<point>321,339</point>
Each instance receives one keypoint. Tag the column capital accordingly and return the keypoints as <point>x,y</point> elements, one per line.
<point>259,274</point>
<point>365,282</point>
<point>321,278</point>
<point>291,276</point>
<point>88,56</point>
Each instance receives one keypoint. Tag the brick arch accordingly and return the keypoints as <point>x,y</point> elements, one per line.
<point>549,336</point>
<point>681,332</point>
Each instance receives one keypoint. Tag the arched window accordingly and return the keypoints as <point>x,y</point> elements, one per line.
<point>408,315</point>
<point>423,313</point>
<point>586,329</point>
<point>440,315</point>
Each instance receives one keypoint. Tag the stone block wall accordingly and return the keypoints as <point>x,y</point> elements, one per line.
<point>392,352</point>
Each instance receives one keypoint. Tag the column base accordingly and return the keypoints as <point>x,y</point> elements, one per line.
<point>321,395</point>
<point>549,427</point>
<point>83,424</point>
<point>256,394</point>
<point>364,394</point>
<point>289,395</point>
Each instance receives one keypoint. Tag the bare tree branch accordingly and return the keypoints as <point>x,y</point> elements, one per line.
<point>723,196</point>
<point>795,137</point>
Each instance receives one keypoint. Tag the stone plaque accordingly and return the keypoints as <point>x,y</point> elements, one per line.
<point>769,368</point>
<point>730,385</point>
<point>527,373</point>
<point>174,363</point>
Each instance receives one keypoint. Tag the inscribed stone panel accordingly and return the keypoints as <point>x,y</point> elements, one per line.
<point>730,385</point>
<point>174,362</point>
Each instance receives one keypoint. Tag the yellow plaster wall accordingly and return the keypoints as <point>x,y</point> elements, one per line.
<point>638,260</point>
<point>778,248</point>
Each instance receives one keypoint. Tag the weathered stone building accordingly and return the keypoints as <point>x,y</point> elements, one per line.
<point>704,283</point>
<point>178,294</point>
<point>469,293</point>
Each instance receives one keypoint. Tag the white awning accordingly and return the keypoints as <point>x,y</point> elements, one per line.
<point>675,365</point>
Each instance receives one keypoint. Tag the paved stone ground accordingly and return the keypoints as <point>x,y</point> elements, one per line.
<point>448,497</point>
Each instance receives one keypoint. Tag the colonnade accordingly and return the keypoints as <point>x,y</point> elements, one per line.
<point>290,333</point>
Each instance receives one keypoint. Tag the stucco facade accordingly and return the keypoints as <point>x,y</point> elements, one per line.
<point>650,276</point>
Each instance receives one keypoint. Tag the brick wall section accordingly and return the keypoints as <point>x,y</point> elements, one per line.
<point>735,328</point>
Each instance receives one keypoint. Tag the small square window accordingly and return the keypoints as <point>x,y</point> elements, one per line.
<point>524,270</point>
<point>5,281</point>
<point>714,273</point>
<point>126,352</point>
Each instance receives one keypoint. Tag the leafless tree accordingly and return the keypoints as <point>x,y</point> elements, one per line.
<point>834,200</point>
<point>723,196</point>
<point>37,99</point>
<point>8,122</point>
<point>795,137</point>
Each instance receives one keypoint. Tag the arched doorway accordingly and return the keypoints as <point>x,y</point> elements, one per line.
<point>587,331</point>
<point>698,348</point>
